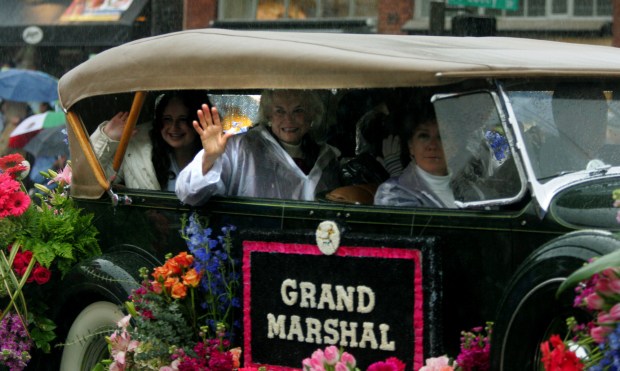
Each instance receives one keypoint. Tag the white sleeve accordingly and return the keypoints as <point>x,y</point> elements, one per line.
<point>105,148</point>
<point>194,188</point>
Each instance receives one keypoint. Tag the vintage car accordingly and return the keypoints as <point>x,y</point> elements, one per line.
<point>531,125</point>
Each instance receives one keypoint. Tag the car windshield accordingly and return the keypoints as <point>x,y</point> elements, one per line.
<point>569,127</point>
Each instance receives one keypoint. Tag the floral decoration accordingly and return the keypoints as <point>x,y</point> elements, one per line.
<point>182,316</point>
<point>594,345</point>
<point>41,239</point>
<point>473,356</point>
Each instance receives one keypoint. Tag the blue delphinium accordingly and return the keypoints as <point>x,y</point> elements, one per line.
<point>610,349</point>
<point>499,144</point>
<point>220,280</point>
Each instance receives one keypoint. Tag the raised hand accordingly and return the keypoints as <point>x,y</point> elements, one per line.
<point>114,128</point>
<point>212,136</point>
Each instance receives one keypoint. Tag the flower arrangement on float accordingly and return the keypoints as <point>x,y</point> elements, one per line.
<point>183,316</point>
<point>473,356</point>
<point>41,238</point>
<point>594,345</point>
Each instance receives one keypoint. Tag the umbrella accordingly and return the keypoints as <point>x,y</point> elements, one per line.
<point>28,86</point>
<point>49,142</point>
<point>30,126</point>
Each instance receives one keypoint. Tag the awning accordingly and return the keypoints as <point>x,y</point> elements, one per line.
<point>72,22</point>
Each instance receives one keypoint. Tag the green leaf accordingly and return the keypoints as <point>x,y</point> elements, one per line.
<point>46,324</point>
<point>600,264</point>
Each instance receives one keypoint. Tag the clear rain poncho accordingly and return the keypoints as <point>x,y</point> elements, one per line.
<point>255,165</point>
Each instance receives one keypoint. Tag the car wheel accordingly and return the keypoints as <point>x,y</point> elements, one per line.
<point>85,345</point>
<point>530,312</point>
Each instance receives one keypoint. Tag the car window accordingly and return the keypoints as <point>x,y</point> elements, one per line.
<point>477,148</point>
<point>359,122</point>
<point>568,128</point>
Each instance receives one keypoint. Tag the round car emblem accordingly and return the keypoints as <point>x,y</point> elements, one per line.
<point>32,35</point>
<point>328,237</point>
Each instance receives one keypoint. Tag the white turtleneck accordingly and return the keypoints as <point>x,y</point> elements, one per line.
<point>439,184</point>
<point>294,150</point>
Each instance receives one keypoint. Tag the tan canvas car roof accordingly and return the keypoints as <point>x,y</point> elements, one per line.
<point>215,58</point>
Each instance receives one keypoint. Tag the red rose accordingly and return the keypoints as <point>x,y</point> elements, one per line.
<point>20,270</point>
<point>22,259</point>
<point>41,275</point>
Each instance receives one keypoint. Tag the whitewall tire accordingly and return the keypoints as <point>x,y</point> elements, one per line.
<point>85,343</point>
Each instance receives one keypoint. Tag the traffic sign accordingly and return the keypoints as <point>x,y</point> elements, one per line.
<point>495,4</point>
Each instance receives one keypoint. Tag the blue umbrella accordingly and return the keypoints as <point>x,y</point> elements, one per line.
<point>27,86</point>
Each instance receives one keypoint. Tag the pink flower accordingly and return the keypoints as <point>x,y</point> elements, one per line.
<point>614,312</point>
<point>17,203</point>
<point>604,319</point>
<point>437,364</point>
<point>64,177</point>
<point>306,365</point>
<point>317,360</point>
<point>332,355</point>
<point>594,301</point>
<point>390,364</point>
<point>614,285</point>
<point>400,365</point>
<point>121,344</point>
<point>599,333</point>
<point>348,359</point>
<point>124,322</point>
<point>8,184</point>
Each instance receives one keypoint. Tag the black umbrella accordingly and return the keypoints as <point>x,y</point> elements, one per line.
<point>49,142</point>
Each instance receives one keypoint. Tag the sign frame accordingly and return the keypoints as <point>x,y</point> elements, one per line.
<point>259,247</point>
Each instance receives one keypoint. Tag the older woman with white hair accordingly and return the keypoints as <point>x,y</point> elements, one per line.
<point>277,159</point>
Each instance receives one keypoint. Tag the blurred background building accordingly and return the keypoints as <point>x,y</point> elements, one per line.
<point>56,35</point>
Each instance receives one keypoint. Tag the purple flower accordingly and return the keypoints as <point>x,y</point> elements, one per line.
<point>15,344</point>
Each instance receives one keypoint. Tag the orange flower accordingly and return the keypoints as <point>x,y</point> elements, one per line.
<point>179,291</point>
<point>161,273</point>
<point>191,278</point>
<point>236,355</point>
<point>184,259</point>
<point>169,282</point>
<point>173,266</point>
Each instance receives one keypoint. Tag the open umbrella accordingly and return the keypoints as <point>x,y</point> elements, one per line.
<point>27,86</point>
<point>49,142</point>
<point>32,125</point>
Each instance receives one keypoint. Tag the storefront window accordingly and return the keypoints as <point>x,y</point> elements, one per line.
<point>296,9</point>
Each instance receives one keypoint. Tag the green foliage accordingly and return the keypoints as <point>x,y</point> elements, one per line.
<point>156,335</point>
<point>41,328</point>
<point>60,233</point>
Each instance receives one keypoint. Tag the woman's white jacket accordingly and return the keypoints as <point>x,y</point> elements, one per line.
<point>255,165</point>
<point>137,169</point>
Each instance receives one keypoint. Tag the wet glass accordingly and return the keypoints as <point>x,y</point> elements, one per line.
<point>536,8</point>
<point>567,128</point>
<point>476,147</point>
<point>559,7</point>
<point>583,8</point>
